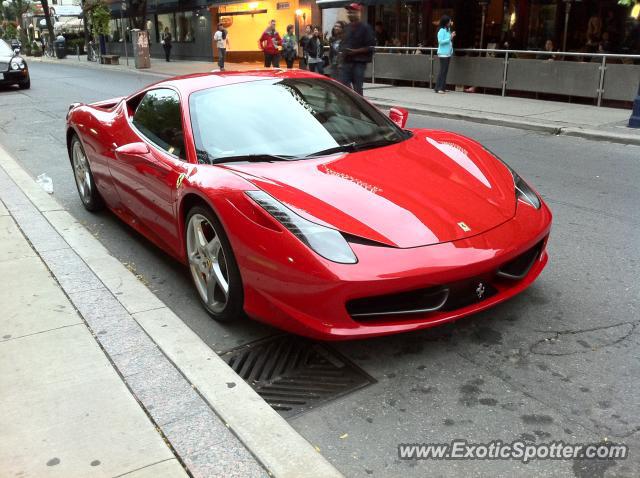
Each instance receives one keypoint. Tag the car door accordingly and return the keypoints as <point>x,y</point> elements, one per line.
<point>146,170</point>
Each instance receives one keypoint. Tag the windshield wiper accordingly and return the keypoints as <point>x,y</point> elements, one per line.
<point>352,147</point>
<point>342,148</point>
<point>252,158</point>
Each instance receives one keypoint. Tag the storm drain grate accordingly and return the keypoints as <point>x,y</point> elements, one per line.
<point>295,375</point>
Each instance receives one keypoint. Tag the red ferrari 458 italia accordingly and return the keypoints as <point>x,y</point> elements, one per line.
<point>296,202</point>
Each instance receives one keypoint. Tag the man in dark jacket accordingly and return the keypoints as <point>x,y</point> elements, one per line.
<point>357,49</point>
<point>270,43</point>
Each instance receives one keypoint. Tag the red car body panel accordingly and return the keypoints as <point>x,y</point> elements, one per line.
<point>402,203</point>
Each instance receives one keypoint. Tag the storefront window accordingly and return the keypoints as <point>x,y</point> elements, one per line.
<point>542,23</point>
<point>115,33</point>
<point>181,25</point>
<point>164,21</point>
<point>185,26</point>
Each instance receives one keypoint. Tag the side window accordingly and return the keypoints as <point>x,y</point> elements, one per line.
<point>158,118</point>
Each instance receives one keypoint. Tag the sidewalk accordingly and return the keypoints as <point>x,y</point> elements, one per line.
<point>66,411</point>
<point>590,122</point>
<point>98,377</point>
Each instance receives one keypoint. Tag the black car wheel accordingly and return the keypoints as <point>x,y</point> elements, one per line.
<point>91,199</point>
<point>25,85</point>
<point>213,266</point>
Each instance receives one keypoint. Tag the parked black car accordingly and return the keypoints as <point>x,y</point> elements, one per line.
<point>13,67</point>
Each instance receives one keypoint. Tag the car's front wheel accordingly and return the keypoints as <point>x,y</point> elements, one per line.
<point>213,266</point>
<point>25,85</point>
<point>91,199</point>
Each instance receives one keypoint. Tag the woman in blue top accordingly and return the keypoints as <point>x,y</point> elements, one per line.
<point>445,50</point>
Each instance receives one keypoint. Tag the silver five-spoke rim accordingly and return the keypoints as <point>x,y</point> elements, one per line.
<point>81,170</point>
<point>208,263</point>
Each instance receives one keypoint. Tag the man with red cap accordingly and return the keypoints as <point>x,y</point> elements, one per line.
<point>356,48</point>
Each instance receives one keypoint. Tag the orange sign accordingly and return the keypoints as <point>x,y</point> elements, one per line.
<point>226,21</point>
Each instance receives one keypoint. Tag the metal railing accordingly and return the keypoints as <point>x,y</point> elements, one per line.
<point>517,70</point>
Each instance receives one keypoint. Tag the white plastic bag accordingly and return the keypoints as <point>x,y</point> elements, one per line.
<point>45,183</point>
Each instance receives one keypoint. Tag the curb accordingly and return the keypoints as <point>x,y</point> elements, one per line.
<point>108,291</point>
<point>97,66</point>
<point>557,129</point>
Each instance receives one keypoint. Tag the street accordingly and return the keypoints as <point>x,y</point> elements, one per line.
<point>558,362</point>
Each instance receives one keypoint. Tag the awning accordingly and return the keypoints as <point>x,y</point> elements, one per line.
<point>344,3</point>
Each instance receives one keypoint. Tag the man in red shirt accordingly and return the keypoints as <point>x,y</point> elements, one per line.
<point>270,43</point>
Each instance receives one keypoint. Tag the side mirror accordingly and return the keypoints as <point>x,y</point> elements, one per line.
<point>399,116</point>
<point>133,149</point>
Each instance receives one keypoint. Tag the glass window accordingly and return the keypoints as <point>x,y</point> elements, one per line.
<point>185,27</point>
<point>166,20</point>
<point>303,116</point>
<point>158,118</point>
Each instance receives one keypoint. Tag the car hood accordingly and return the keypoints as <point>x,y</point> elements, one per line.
<point>434,187</point>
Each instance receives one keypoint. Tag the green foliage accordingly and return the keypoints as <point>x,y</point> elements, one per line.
<point>627,3</point>
<point>10,31</point>
<point>99,15</point>
<point>76,42</point>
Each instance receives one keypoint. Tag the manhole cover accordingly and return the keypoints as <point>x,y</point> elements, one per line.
<point>293,374</point>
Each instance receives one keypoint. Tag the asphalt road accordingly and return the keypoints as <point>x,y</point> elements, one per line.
<point>559,362</point>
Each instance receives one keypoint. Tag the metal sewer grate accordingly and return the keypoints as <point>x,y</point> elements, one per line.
<point>294,374</point>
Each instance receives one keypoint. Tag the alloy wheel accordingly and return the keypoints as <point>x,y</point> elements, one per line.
<point>81,171</point>
<point>208,263</point>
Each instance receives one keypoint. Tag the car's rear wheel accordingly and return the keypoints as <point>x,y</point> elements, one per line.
<point>213,266</point>
<point>89,195</point>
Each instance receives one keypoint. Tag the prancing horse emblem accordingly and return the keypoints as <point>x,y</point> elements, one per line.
<point>464,227</point>
<point>480,290</point>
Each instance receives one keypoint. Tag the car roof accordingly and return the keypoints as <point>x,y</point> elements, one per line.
<point>199,81</point>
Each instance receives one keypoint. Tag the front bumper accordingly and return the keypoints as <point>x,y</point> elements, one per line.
<point>12,77</point>
<point>288,286</point>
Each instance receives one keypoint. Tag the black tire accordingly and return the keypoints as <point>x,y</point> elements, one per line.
<point>92,201</point>
<point>25,85</point>
<point>234,308</point>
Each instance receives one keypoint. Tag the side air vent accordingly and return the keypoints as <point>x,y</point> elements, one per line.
<point>517,268</point>
<point>414,302</point>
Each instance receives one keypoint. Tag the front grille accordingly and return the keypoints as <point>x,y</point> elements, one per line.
<point>517,268</point>
<point>412,302</point>
<point>445,297</point>
<point>4,66</point>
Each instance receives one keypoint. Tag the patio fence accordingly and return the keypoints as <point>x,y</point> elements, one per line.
<point>599,76</point>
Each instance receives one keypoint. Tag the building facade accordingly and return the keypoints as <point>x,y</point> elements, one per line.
<point>591,25</point>
<point>518,24</point>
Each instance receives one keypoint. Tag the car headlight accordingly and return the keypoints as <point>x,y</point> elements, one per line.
<point>524,191</point>
<point>323,240</point>
<point>17,64</point>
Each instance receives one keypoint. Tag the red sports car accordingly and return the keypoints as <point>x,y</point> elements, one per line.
<point>294,200</point>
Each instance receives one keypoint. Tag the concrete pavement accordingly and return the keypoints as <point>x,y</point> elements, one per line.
<point>210,418</point>
<point>570,119</point>
<point>66,411</point>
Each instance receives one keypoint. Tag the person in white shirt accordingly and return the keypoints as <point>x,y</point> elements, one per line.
<point>221,37</point>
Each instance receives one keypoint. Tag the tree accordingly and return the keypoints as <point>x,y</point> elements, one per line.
<point>47,19</point>
<point>138,12</point>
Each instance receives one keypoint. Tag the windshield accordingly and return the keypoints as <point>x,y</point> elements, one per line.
<point>284,118</point>
<point>5,49</point>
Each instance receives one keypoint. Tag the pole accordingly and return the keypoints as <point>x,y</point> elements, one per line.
<point>603,68</point>
<point>504,74</point>
<point>484,18</point>
<point>567,11</point>
<point>123,7</point>
<point>634,121</point>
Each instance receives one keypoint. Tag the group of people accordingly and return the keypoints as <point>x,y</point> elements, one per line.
<point>350,48</point>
